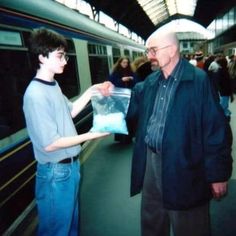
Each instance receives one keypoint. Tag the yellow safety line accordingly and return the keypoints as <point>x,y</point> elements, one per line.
<point>16,176</point>
<point>88,149</point>
<point>2,203</point>
<point>14,151</point>
<point>85,155</point>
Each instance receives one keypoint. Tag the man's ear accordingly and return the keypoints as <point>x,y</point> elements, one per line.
<point>173,50</point>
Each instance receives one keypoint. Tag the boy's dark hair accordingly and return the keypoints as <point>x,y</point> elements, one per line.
<point>43,41</point>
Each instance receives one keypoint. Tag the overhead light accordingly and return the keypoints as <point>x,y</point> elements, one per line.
<point>159,10</point>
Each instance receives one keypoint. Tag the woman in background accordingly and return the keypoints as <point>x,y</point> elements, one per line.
<point>142,68</point>
<point>122,76</point>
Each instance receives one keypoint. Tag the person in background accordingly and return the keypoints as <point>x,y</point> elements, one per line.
<point>223,87</point>
<point>141,66</point>
<point>199,59</point>
<point>192,60</point>
<point>232,73</point>
<point>56,144</point>
<point>122,76</point>
<point>207,63</point>
<point>214,66</point>
<point>181,157</point>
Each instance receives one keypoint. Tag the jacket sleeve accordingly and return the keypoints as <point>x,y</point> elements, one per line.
<point>134,101</point>
<point>217,137</point>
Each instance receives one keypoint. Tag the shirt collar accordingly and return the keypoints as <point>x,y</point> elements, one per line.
<point>51,83</point>
<point>175,73</point>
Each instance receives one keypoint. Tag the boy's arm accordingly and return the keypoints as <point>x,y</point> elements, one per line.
<point>65,142</point>
<point>82,101</point>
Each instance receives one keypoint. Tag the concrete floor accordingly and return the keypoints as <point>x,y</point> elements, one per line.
<point>107,209</point>
<point>105,206</point>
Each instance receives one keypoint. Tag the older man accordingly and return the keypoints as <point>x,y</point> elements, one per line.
<point>181,157</point>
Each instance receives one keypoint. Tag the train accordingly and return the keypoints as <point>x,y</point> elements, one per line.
<point>93,49</point>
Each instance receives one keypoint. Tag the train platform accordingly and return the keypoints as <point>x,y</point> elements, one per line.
<point>106,208</point>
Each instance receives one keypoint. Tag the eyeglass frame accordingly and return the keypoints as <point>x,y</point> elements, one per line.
<point>154,50</point>
<point>64,57</point>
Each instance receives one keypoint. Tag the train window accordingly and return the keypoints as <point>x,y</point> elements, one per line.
<point>99,50</point>
<point>94,49</point>
<point>10,38</point>
<point>68,79</point>
<point>135,54</point>
<point>91,49</point>
<point>98,62</point>
<point>15,76</point>
<point>105,50</point>
<point>71,46</point>
<point>185,44</point>
<point>99,68</point>
<point>116,54</point>
<point>127,53</point>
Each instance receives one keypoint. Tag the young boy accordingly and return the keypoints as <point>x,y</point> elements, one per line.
<point>56,145</point>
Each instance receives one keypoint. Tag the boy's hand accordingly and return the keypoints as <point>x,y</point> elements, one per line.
<point>127,78</point>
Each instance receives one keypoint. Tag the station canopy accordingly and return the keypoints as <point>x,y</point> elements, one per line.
<point>145,16</point>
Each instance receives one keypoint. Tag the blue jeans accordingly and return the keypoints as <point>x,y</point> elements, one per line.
<point>56,191</point>
<point>224,102</point>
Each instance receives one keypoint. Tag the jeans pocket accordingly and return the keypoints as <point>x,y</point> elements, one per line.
<point>41,175</point>
<point>41,188</point>
<point>61,173</point>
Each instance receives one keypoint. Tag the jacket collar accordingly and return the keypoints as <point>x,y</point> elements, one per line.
<point>188,71</point>
<point>187,75</point>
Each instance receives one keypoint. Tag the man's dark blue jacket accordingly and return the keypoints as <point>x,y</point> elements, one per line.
<point>195,147</point>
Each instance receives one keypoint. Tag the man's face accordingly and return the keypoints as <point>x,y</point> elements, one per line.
<point>158,53</point>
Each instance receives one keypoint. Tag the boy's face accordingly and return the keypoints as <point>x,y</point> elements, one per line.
<point>56,61</point>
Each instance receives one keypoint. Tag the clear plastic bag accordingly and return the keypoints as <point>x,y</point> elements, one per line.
<point>109,112</point>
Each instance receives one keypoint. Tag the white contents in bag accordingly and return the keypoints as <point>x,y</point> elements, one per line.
<point>109,112</point>
<point>113,123</point>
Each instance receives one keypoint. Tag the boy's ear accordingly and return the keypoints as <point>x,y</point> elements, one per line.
<point>41,58</point>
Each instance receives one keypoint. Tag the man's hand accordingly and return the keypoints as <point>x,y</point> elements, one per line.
<point>219,190</point>
<point>104,88</point>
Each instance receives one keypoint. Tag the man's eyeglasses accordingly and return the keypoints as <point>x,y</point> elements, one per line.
<point>154,50</point>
